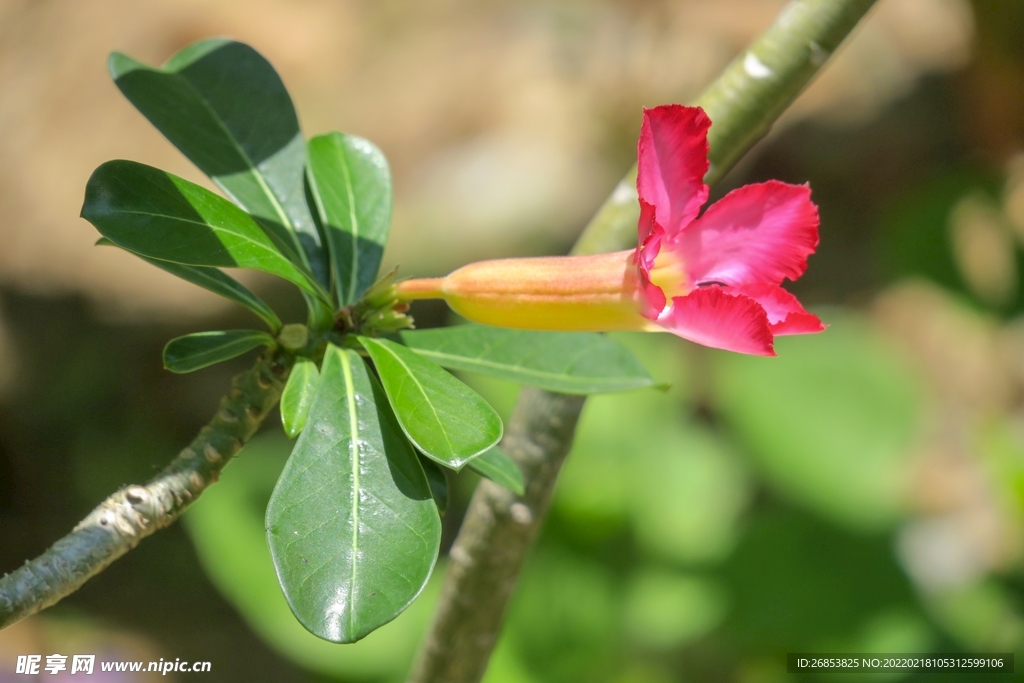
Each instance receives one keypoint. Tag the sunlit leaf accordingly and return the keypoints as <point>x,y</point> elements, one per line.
<point>350,183</point>
<point>499,468</point>
<point>217,282</point>
<point>352,526</point>
<point>202,349</point>
<point>159,215</point>
<point>225,107</point>
<point>444,418</point>
<point>227,527</point>
<point>567,362</point>
<point>297,396</point>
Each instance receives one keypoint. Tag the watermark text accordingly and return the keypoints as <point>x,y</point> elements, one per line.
<point>35,665</point>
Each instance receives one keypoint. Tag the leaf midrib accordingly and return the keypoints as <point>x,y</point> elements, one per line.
<point>473,360</point>
<point>241,235</point>
<point>354,221</point>
<point>354,451</point>
<point>268,248</point>
<point>245,156</point>
<point>226,346</point>
<point>214,280</point>
<point>437,418</point>
<point>230,344</point>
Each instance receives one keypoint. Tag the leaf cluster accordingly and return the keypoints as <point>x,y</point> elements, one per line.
<point>354,521</point>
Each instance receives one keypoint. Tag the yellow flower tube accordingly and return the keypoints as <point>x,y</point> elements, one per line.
<point>713,276</point>
<point>557,293</point>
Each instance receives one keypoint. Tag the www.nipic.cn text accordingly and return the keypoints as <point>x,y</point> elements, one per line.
<point>32,665</point>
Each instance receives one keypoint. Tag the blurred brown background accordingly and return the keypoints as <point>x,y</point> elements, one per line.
<point>505,122</point>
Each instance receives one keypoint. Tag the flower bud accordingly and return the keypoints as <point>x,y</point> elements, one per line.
<point>567,293</point>
<point>293,337</point>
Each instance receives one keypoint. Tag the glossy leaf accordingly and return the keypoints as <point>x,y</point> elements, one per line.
<point>350,183</point>
<point>352,526</point>
<point>227,526</point>
<point>445,419</point>
<point>159,215</point>
<point>438,483</point>
<point>499,468</point>
<point>567,362</point>
<point>202,349</point>
<point>223,105</point>
<point>217,282</point>
<point>297,396</point>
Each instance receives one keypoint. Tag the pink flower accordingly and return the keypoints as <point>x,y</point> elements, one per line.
<point>714,279</point>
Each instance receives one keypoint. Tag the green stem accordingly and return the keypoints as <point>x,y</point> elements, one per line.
<point>742,103</point>
<point>499,528</point>
<point>134,512</point>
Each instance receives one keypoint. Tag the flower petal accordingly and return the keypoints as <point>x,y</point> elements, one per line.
<point>645,226</point>
<point>710,316</point>
<point>785,314</point>
<point>672,158</point>
<point>652,298</point>
<point>759,233</point>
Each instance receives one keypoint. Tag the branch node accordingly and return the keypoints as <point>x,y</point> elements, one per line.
<point>212,455</point>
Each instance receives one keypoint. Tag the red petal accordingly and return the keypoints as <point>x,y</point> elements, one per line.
<point>713,318</point>
<point>652,297</point>
<point>785,314</point>
<point>645,226</point>
<point>755,234</point>
<point>672,158</point>
<point>799,323</point>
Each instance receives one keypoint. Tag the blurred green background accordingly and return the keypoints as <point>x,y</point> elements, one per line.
<point>864,491</point>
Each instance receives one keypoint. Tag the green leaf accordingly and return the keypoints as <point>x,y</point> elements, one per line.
<point>217,282</point>
<point>297,396</point>
<point>438,483</point>
<point>352,526</point>
<point>500,469</point>
<point>223,105</point>
<point>567,362</point>
<point>227,526</point>
<point>159,215</point>
<point>445,419</point>
<point>350,183</point>
<point>202,349</point>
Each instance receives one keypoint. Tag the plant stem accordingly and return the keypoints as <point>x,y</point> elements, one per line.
<point>499,528</point>
<point>742,103</point>
<point>134,512</point>
<point>420,288</point>
<point>497,533</point>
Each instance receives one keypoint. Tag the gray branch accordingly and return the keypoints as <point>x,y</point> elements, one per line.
<point>499,528</point>
<point>496,536</point>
